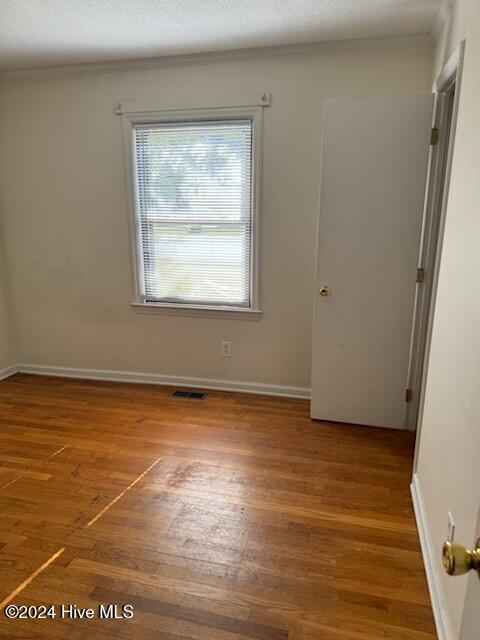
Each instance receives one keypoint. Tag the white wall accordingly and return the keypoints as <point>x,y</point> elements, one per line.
<point>451,27</point>
<point>7,347</point>
<point>448,463</point>
<point>7,341</point>
<point>62,194</point>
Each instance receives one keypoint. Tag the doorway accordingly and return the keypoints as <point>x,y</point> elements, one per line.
<point>383,199</point>
<point>447,90</point>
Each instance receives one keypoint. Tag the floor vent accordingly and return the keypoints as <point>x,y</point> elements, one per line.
<point>194,395</point>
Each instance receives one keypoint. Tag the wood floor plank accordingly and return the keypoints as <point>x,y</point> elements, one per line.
<point>231,518</point>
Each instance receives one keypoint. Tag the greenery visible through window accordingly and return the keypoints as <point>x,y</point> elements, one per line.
<point>194,200</point>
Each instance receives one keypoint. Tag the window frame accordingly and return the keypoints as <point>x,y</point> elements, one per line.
<point>130,119</point>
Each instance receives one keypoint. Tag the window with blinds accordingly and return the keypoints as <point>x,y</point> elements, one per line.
<point>194,211</point>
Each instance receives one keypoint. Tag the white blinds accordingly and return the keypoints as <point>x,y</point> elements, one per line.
<point>194,190</point>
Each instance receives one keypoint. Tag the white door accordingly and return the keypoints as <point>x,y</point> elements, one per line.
<point>375,156</point>
<point>471,620</point>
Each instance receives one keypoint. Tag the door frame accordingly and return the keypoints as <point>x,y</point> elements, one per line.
<point>436,200</point>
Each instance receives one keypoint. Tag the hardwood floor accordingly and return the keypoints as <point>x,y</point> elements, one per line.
<point>231,518</point>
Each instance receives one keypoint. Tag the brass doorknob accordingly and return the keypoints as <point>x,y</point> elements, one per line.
<point>458,560</point>
<point>324,290</point>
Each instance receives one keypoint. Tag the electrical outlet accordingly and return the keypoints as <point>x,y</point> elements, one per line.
<point>450,527</point>
<point>226,349</point>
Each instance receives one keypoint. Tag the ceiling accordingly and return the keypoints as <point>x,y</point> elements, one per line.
<point>37,33</point>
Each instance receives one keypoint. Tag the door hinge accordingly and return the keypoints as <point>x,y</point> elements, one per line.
<point>408,395</point>
<point>420,274</point>
<point>434,136</point>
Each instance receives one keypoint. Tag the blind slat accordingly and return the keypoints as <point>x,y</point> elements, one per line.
<point>194,186</point>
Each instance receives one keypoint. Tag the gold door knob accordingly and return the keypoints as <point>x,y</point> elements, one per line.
<point>458,560</point>
<point>324,290</point>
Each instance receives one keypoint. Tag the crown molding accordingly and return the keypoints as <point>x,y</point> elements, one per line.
<point>441,17</point>
<point>217,57</point>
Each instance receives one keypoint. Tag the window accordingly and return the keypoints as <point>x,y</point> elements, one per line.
<point>195,210</point>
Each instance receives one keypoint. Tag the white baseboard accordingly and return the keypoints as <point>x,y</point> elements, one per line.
<point>439,605</point>
<point>8,371</point>
<point>167,380</point>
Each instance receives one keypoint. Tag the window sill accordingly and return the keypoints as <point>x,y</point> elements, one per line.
<point>196,311</point>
